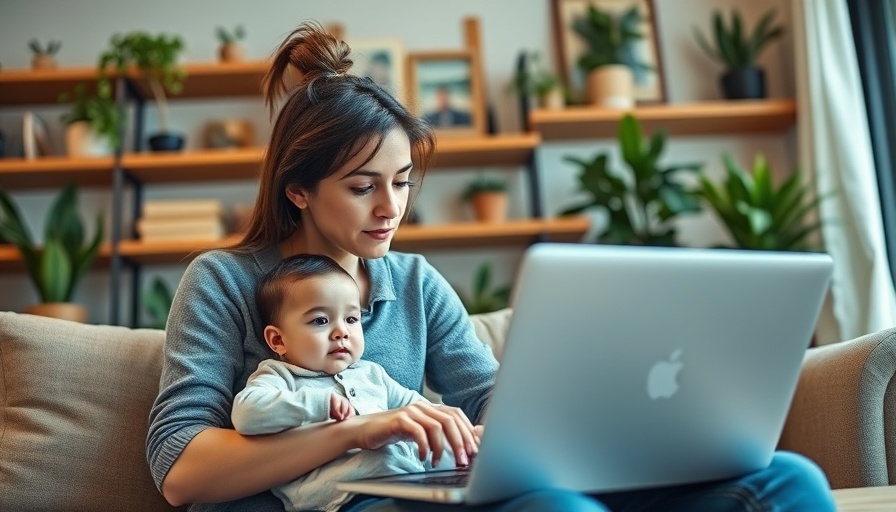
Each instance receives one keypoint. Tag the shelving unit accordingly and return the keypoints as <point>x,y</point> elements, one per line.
<point>703,118</point>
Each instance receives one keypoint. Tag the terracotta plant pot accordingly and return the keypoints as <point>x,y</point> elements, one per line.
<point>489,206</point>
<point>612,87</point>
<point>553,100</point>
<point>61,310</point>
<point>230,52</point>
<point>43,61</point>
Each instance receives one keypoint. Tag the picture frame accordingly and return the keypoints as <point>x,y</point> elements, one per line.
<point>35,136</point>
<point>383,61</point>
<point>650,85</point>
<point>445,89</point>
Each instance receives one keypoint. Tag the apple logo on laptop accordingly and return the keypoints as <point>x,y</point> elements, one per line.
<point>662,380</point>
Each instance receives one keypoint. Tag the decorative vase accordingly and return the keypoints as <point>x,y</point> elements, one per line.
<point>489,206</point>
<point>43,61</point>
<point>82,141</point>
<point>612,87</point>
<point>743,83</point>
<point>62,310</point>
<point>230,52</point>
<point>165,141</point>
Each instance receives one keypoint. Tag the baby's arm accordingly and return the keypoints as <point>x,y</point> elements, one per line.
<point>271,403</point>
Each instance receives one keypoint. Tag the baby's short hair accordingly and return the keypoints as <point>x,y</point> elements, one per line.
<point>272,289</point>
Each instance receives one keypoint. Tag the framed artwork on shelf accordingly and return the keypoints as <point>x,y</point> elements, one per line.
<point>445,89</point>
<point>650,85</point>
<point>383,61</point>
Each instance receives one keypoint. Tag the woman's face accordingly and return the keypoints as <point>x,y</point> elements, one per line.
<point>357,209</point>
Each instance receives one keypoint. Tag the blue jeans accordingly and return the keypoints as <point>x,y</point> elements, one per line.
<point>790,483</point>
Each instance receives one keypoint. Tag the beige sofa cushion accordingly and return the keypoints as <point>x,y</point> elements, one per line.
<point>74,402</point>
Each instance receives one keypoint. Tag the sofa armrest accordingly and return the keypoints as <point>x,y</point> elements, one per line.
<point>843,415</point>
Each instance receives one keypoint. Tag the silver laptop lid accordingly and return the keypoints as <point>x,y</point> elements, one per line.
<point>632,367</point>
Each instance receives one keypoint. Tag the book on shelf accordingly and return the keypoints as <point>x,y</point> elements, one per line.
<point>190,228</point>
<point>181,208</point>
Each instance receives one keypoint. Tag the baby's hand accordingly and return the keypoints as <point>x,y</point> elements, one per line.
<point>340,407</point>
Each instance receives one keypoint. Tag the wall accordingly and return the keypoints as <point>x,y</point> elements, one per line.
<point>85,26</point>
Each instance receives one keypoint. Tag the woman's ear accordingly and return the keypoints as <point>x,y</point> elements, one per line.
<point>274,340</point>
<point>297,196</point>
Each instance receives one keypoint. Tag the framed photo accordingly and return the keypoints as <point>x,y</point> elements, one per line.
<point>35,137</point>
<point>649,84</point>
<point>445,89</point>
<point>381,60</point>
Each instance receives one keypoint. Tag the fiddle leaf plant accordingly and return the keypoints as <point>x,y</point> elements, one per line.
<point>57,267</point>
<point>641,202</point>
<point>757,214</point>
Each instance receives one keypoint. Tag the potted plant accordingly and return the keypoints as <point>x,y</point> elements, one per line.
<point>157,298</point>
<point>57,267</point>
<point>643,202</point>
<point>485,298</point>
<point>156,57</point>
<point>93,122</point>
<point>757,214</point>
<point>737,50</point>
<point>44,56</point>
<point>535,80</point>
<point>609,58</point>
<point>230,49</point>
<point>488,197</point>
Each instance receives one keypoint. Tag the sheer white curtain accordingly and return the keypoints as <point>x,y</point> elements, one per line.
<point>835,145</point>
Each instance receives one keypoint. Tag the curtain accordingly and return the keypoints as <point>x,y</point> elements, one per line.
<point>835,145</point>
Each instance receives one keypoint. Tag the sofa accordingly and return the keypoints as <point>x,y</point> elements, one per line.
<point>74,401</point>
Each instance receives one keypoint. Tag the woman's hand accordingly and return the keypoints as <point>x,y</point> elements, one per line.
<point>340,407</point>
<point>427,425</point>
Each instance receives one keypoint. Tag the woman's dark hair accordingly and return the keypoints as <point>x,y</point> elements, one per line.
<point>272,289</point>
<point>328,116</point>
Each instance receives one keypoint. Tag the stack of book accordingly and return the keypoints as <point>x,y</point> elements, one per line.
<point>181,220</point>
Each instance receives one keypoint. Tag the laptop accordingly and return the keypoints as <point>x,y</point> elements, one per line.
<point>633,367</point>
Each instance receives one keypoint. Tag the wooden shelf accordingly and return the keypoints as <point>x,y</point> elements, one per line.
<point>200,165</point>
<point>11,261</point>
<point>704,118</point>
<point>511,149</point>
<point>54,172</point>
<point>204,80</point>
<point>410,237</point>
<point>24,86</point>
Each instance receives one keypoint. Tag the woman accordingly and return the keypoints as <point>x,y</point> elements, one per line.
<point>335,182</point>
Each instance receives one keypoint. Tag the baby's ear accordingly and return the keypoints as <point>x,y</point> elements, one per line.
<point>274,339</point>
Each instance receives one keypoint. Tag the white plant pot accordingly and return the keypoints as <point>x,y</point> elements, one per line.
<point>612,87</point>
<point>81,141</point>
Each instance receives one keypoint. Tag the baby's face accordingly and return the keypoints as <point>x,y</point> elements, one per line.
<point>320,324</point>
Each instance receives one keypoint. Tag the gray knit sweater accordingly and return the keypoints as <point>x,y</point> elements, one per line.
<point>415,327</point>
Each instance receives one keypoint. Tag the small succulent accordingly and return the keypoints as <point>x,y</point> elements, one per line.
<point>226,37</point>
<point>609,39</point>
<point>51,49</point>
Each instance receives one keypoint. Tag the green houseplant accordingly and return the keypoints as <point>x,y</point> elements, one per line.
<point>93,122</point>
<point>757,214</point>
<point>157,298</point>
<point>230,49</point>
<point>57,267</point>
<point>641,203</point>
<point>737,50</point>
<point>535,80</point>
<point>485,298</point>
<point>156,57</point>
<point>610,57</point>
<point>488,197</point>
<point>44,57</point>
